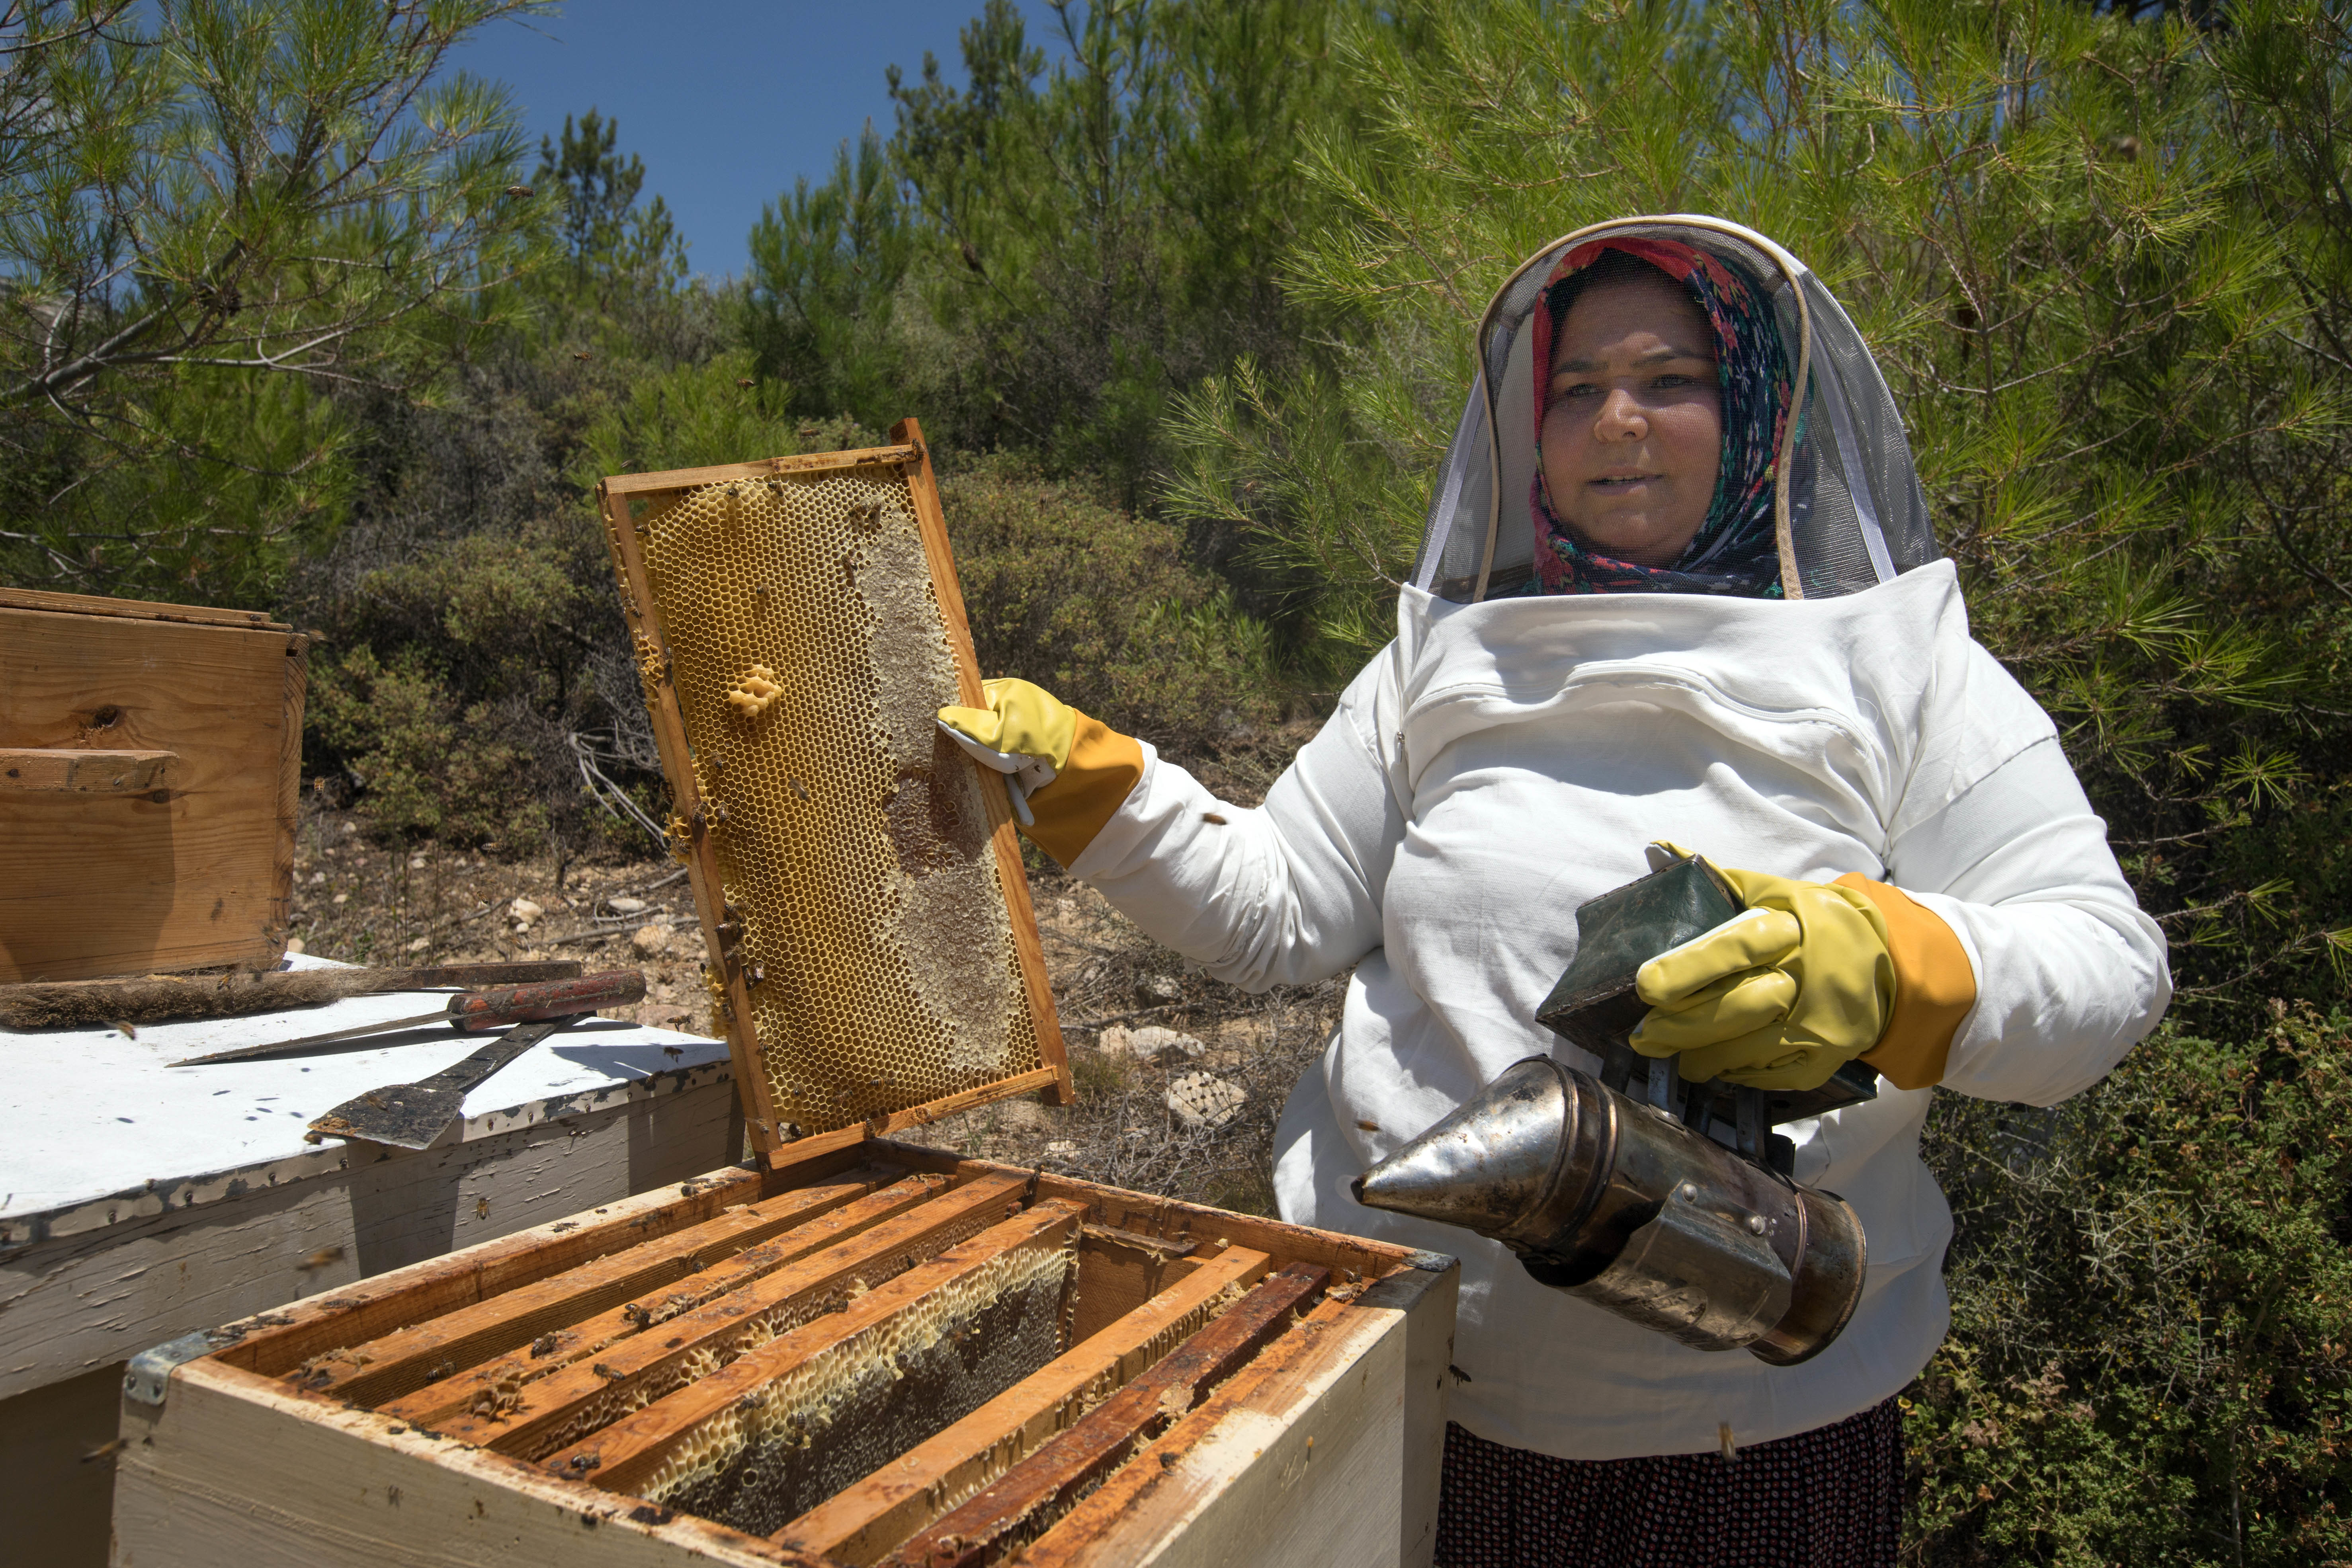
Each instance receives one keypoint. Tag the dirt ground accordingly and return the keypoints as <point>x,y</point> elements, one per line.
<point>1143,1120</point>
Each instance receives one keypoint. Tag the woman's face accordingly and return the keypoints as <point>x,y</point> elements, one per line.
<point>1633,428</point>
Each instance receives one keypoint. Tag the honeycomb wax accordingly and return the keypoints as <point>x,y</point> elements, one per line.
<point>809,657</point>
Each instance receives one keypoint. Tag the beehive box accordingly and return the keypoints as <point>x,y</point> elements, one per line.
<point>849,1351</point>
<point>150,761</point>
<point>877,1354</point>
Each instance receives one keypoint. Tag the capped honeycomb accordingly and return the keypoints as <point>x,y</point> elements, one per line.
<point>783,1447</point>
<point>809,657</point>
<point>752,1324</point>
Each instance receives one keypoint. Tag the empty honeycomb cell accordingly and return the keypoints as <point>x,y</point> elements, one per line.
<point>808,656</point>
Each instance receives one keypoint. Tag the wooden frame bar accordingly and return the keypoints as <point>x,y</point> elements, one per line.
<point>536,1418</point>
<point>79,772</point>
<point>137,609</point>
<point>560,1347</point>
<point>626,1453</point>
<point>405,1360</point>
<point>277,1342</point>
<point>719,474</point>
<point>1044,1079</point>
<point>865,1523</point>
<point>1349,1257</point>
<point>1041,1488</point>
<point>1074,1534</point>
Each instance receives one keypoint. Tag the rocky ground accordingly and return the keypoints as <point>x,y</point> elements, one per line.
<point>1181,1079</point>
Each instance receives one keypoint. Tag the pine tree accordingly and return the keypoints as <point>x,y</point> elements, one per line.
<point>198,197</point>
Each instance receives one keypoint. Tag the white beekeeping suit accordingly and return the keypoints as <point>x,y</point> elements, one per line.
<point>1509,756</point>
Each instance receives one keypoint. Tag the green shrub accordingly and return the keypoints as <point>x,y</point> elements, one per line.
<point>2151,1351</point>
<point>425,770</point>
<point>1101,608</point>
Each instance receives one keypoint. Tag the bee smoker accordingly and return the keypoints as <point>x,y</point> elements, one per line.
<point>1669,1204</point>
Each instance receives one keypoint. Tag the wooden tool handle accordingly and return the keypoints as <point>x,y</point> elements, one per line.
<point>502,1006</point>
<point>475,976</point>
<point>157,998</point>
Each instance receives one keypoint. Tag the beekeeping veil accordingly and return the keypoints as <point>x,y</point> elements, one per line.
<point>1848,511</point>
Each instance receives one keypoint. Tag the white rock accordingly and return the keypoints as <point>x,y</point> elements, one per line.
<point>651,939</point>
<point>525,911</point>
<point>416,862</point>
<point>624,905</point>
<point>343,898</point>
<point>1162,988</point>
<point>317,877</point>
<point>1202,1102</point>
<point>420,944</point>
<point>1060,1149</point>
<point>1148,1043</point>
<point>296,944</point>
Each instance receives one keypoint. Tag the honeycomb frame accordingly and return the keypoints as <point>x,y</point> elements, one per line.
<point>870,974</point>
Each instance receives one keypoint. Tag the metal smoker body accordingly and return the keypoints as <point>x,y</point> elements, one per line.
<point>1629,1202</point>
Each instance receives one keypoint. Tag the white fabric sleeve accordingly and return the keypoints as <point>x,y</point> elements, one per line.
<point>1284,895</point>
<point>2070,974</point>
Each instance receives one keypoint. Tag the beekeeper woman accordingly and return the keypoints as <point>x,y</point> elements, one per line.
<point>1657,600</point>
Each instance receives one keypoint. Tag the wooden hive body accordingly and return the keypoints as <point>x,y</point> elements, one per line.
<point>875,1354</point>
<point>849,1351</point>
<point>150,758</point>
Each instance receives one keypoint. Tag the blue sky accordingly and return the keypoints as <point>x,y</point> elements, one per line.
<point>727,102</point>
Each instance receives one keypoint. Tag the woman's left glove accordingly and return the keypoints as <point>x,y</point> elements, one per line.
<point>1066,774</point>
<point>1812,975</point>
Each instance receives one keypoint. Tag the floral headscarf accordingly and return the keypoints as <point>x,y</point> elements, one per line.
<point>1735,550</point>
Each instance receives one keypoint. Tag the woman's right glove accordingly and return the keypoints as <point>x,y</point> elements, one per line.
<point>1068,773</point>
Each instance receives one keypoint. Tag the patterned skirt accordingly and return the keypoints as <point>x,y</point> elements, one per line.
<point>1830,1498</point>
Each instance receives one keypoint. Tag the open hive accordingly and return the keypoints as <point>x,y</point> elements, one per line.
<point>848,1351</point>
<point>878,1355</point>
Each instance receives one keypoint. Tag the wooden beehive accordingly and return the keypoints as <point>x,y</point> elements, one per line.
<point>877,1354</point>
<point>850,1350</point>
<point>150,761</point>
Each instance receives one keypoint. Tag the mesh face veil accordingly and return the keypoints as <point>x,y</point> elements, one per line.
<point>1848,509</point>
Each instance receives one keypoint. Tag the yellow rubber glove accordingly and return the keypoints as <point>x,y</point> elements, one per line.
<point>1066,774</point>
<point>1778,997</point>
<point>1024,733</point>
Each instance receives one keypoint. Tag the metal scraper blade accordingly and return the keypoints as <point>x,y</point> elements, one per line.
<point>415,1115</point>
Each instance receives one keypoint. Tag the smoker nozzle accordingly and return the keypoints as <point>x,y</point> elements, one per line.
<point>1621,1203</point>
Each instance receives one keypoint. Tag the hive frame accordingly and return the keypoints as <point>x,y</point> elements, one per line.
<point>618,498</point>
